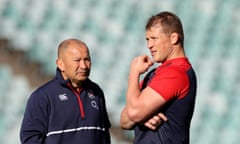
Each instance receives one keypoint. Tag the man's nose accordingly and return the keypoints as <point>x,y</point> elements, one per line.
<point>82,64</point>
<point>149,44</point>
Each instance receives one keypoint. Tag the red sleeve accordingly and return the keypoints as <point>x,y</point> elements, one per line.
<point>170,83</point>
<point>141,83</point>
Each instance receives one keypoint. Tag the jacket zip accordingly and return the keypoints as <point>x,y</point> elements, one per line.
<point>79,100</point>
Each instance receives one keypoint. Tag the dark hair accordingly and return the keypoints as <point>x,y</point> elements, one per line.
<point>169,22</point>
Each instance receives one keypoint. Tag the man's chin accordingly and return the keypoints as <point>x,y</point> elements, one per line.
<point>83,78</point>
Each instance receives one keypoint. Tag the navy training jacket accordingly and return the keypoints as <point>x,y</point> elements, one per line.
<point>58,114</point>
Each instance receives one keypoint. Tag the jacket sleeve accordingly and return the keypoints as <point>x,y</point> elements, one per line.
<point>35,120</point>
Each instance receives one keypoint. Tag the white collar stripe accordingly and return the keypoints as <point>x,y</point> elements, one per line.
<point>74,129</point>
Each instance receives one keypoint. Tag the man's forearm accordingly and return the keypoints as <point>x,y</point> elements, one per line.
<point>134,102</point>
<point>125,121</point>
<point>133,90</point>
<point>133,105</point>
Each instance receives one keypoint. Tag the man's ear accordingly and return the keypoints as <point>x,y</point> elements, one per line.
<point>174,38</point>
<point>60,64</point>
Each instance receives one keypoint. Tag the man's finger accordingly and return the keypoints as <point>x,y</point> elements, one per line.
<point>162,116</point>
<point>150,126</point>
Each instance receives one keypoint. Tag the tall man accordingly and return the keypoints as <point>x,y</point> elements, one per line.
<point>169,89</point>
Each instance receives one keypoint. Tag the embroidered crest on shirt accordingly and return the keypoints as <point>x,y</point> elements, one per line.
<point>94,104</point>
<point>63,97</point>
<point>91,94</point>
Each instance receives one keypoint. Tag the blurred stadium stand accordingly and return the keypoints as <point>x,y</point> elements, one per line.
<point>114,31</point>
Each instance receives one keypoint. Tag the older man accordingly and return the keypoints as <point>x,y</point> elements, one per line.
<point>70,109</point>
